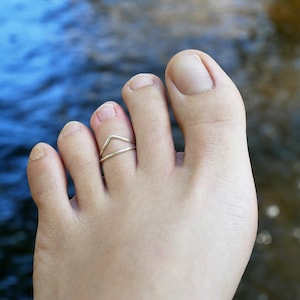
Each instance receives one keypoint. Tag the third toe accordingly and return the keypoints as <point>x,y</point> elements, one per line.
<point>116,143</point>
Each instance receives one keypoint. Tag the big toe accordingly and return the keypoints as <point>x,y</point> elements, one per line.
<point>207,107</point>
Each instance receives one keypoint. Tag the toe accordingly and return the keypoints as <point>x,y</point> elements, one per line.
<point>146,100</point>
<point>80,155</point>
<point>116,144</point>
<point>47,180</point>
<point>211,114</point>
<point>207,106</point>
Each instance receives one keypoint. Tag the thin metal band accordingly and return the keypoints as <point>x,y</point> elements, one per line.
<point>108,140</point>
<point>116,153</point>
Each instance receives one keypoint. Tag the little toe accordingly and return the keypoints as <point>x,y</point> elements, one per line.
<point>146,100</point>
<point>116,144</point>
<point>80,155</point>
<point>47,180</point>
<point>207,107</point>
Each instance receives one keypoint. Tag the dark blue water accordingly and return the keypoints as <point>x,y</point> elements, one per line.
<point>61,59</point>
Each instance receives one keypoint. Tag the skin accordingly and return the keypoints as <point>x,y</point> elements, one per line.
<point>161,225</point>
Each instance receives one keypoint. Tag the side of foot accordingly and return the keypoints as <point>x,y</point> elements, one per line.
<point>158,224</point>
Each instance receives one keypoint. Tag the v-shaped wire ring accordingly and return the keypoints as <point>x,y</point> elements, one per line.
<point>108,140</point>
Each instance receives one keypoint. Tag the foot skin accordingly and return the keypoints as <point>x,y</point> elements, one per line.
<point>162,225</point>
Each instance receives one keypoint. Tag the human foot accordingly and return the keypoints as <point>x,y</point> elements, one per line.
<point>161,225</point>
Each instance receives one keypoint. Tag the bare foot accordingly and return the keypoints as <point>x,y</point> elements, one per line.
<point>162,225</point>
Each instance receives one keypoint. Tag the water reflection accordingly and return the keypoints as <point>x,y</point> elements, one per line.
<point>61,59</point>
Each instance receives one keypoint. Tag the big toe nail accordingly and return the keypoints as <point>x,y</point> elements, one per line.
<point>190,75</point>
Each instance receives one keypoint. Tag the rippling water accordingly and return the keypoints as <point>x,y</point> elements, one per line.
<point>61,59</point>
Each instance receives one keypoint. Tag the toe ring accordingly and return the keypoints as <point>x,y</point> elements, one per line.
<point>108,140</point>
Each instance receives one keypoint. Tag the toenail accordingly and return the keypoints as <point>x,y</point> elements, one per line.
<point>71,128</point>
<point>140,81</point>
<point>37,152</point>
<point>105,112</point>
<point>190,75</point>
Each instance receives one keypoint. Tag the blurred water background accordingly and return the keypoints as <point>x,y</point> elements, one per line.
<point>60,59</point>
